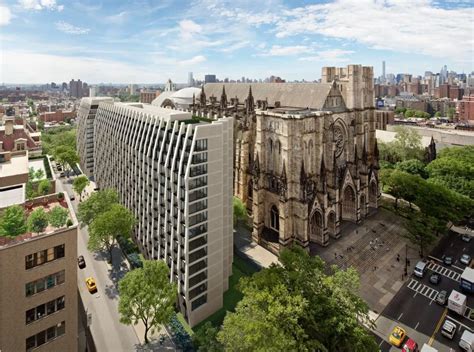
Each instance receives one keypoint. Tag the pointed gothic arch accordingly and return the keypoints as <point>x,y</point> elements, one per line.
<point>373,194</point>
<point>316,227</point>
<point>274,218</point>
<point>363,206</point>
<point>349,204</point>
<point>332,223</point>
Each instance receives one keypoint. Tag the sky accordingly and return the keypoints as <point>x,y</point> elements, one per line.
<point>149,41</point>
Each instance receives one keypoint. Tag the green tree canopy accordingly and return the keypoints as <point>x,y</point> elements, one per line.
<point>104,230</point>
<point>79,184</point>
<point>240,210</point>
<point>39,174</point>
<point>437,114</point>
<point>12,221</point>
<point>297,306</point>
<point>96,204</point>
<point>44,187</point>
<point>451,112</point>
<point>420,230</point>
<point>38,220</point>
<point>407,143</point>
<point>413,166</point>
<point>205,338</point>
<point>58,216</point>
<point>147,295</point>
<point>454,168</point>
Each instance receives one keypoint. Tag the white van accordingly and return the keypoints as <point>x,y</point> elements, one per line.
<point>467,341</point>
<point>420,269</point>
<point>449,329</point>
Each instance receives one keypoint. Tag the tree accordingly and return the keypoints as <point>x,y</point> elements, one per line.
<point>409,113</point>
<point>454,168</point>
<point>240,211</point>
<point>37,221</point>
<point>12,221</point>
<point>108,226</point>
<point>420,230</point>
<point>79,184</point>
<point>298,306</point>
<point>437,114</point>
<point>96,204</point>
<point>450,113</point>
<point>413,166</point>
<point>205,339</point>
<point>400,110</point>
<point>147,295</point>
<point>58,216</point>
<point>44,187</point>
<point>39,174</point>
<point>407,143</point>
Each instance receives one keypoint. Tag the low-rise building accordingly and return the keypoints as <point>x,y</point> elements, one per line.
<point>38,272</point>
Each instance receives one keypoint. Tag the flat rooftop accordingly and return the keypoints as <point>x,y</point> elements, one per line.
<point>17,165</point>
<point>166,114</point>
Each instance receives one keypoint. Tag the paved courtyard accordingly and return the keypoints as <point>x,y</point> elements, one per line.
<point>372,248</point>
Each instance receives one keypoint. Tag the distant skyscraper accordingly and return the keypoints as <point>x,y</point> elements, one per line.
<point>190,79</point>
<point>210,79</point>
<point>383,71</point>
<point>75,88</point>
<point>132,89</point>
<point>92,92</point>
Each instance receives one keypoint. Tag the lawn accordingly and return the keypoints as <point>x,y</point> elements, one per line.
<point>232,296</point>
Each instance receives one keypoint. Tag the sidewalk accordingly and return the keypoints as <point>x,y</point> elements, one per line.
<point>255,252</point>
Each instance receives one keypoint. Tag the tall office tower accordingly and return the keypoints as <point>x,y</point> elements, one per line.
<point>85,132</point>
<point>383,71</point>
<point>38,271</point>
<point>190,79</point>
<point>132,89</point>
<point>175,174</point>
<point>92,92</point>
<point>210,79</point>
<point>75,88</point>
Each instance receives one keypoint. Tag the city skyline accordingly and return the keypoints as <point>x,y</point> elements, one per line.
<point>148,43</point>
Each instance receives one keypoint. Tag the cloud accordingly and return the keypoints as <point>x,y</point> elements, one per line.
<point>5,15</point>
<point>402,25</point>
<point>193,61</point>
<point>236,46</point>
<point>39,5</point>
<point>70,29</point>
<point>118,18</point>
<point>333,55</point>
<point>188,29</point>
<point>46,68</point>
<point>277,50</point>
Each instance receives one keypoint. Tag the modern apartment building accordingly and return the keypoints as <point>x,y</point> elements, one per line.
<point>85,132</point>
<point>38,274</point>
<point>175,173</point>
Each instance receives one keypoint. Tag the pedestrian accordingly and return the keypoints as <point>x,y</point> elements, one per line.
<point>398,257</point>
<point>335,255</point>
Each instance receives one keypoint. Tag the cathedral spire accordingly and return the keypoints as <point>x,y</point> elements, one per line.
<point>223,104</point>
<point>250,102</point>
<point>202,98</point>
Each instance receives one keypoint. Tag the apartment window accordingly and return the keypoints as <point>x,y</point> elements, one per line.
<point>201,144</point>
<point>44,309</point>
<point>44,256</point>
<point>45,282</point>
<point>45,336</point>
<point>199,302</point>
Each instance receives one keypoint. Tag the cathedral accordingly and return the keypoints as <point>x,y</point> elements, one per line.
<point>306,156</point>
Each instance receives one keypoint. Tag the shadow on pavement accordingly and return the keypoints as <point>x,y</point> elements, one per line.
<point>155,345</point>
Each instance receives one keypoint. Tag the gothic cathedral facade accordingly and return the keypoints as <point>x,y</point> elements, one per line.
<point>306,156</point>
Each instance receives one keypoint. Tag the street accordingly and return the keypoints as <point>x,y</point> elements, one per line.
<point>414,308</point>
<point>107,331</point>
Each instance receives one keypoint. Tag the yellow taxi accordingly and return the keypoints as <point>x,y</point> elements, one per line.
<point>90,283</point>
<point>397,336</point>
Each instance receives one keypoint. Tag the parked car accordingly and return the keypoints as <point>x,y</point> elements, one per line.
<point>420,269</point>
<point>397,336</point>
<point>81,262</point>
<point>410,346</point>
<point>435,279</point>
<point>449,329</point>
<point>448,260</point>
<point>91,286</point>
<point>442,297</point>
<point>465,259</point>
<point>466,238</point>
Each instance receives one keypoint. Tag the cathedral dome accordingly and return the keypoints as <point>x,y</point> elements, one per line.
<point>184,97</point>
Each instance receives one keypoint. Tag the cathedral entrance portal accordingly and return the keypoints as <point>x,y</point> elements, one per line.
<point>349,204</point>
<point>316,227</point>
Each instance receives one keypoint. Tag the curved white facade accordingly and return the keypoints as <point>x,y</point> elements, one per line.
<point>175,175</point>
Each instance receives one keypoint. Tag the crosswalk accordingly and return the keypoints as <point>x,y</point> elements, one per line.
<point>450,274</point>
<point>422,289</point>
